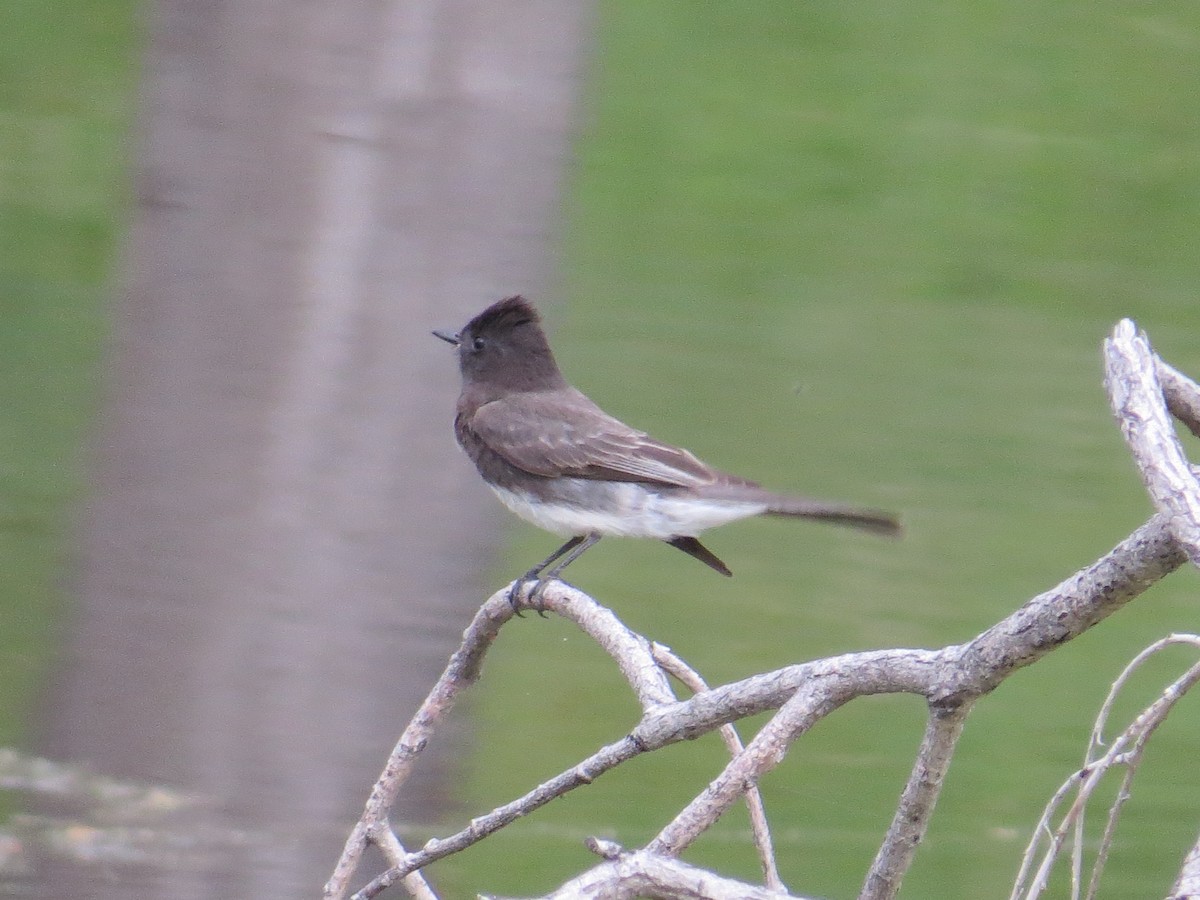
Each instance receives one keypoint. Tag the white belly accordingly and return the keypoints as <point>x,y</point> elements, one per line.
<point>625,509</point>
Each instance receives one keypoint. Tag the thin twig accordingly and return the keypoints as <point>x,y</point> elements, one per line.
<point>1043,831</point>
<point>629,650</point>
<point>482,826</point>
<point>1171,640</point>
<point>810,703</point>
<point>759,828</point>
<point>461,672</point>
<point>1126,750</point>
<point>1140,731</point>
<point>414,882</point>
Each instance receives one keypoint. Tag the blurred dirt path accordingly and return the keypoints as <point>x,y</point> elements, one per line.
<point>284,542</point>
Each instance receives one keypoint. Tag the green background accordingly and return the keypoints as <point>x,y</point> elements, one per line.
<point>67,81</point>
<point>859,250</point>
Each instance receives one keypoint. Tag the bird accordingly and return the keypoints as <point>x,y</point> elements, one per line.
<point>560,462</point>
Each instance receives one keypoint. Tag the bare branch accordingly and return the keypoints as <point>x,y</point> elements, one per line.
<point>1182,396</point>
<point>633,657</point>
<point>1131,375</point>
<point>911,820</point>
<point>808,692</point>
<point>1169,695</point>
<point>950,675</point>
<point>803,693</point>
<point>1066,611</point>
<point>460,673</point>
<point>1187,885</point>
<point>811,702</point>
<point>630,875</point>
<point>630,651</point>
<point>1138,733</point>
<point>950,680</point>
<point>414,882</point>
<point>761,832</point>
<point>1043,831</point>
<point>479,828</point>
<point>1127,751</point>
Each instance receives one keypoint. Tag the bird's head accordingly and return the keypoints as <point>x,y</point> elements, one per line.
<point>504,347</point>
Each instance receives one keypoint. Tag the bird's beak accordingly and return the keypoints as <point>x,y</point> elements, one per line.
<point>448,338</point>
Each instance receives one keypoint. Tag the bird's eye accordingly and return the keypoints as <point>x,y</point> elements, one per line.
<point>478,343</point>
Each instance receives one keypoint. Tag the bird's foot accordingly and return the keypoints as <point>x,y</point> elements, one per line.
<point>514,595</point>
<point>535,593</point>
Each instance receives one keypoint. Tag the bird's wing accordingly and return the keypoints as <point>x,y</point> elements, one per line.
<point>565,434</point>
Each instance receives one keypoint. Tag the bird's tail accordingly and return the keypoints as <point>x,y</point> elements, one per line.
<point>875,520</point>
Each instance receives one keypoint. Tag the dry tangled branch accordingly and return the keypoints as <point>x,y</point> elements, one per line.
<point>1125,751</point>
<point>1144,393</point>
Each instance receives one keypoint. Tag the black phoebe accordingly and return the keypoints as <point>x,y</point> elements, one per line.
<point>557,460</point>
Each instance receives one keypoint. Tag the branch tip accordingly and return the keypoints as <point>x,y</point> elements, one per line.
<point>604,848</point>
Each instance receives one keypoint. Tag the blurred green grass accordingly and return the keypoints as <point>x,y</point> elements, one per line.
<point>867,253</point>
<point>66,88</point>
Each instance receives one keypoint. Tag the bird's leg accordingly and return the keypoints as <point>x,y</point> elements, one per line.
<point>572,549</point>
<point>556,572</point>
<point>534,574</point>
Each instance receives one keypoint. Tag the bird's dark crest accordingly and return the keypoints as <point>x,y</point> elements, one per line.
<point>504,315</point>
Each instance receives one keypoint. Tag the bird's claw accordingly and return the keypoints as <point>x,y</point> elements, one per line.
<point>535,594</point>
<point>514,596</point>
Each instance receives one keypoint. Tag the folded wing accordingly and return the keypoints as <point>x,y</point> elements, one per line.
<point>565,434</point>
